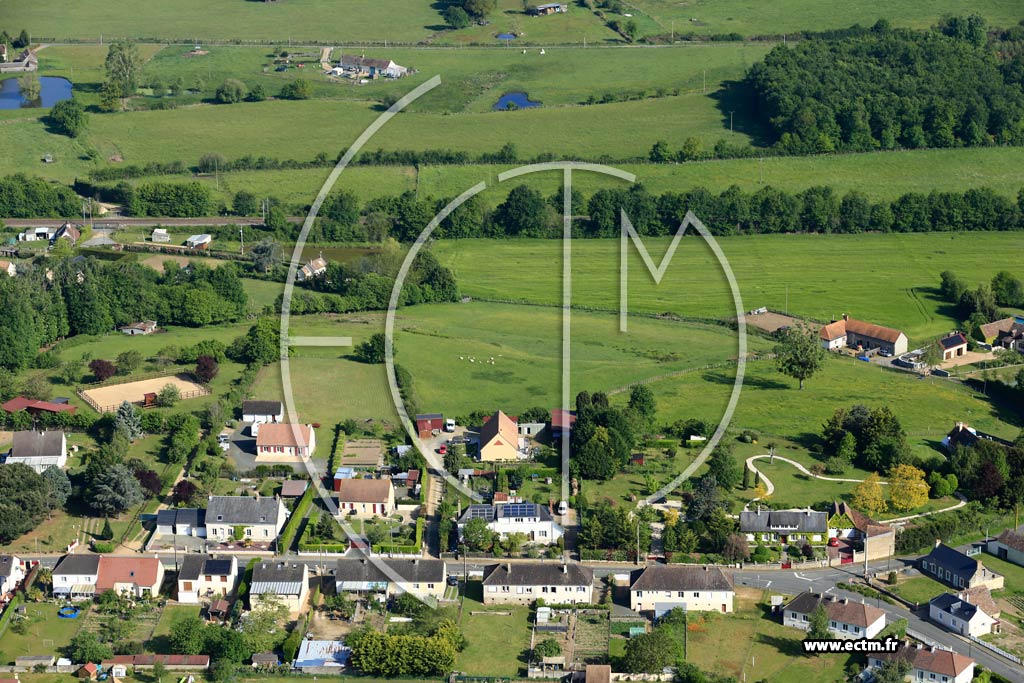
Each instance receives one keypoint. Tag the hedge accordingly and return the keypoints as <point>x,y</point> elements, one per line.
<point>11,608</point>
<point>406,549</point>
<point>284,541</point>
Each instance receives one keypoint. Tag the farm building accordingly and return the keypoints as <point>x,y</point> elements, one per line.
<point>1008,546</point>
<point>312,269</point>
<point>135,329</point>
<point>661,588</point>
<point>427,423</point>
<point>549,8</point>
<point>953,346</point>
<point>36,234</point>
<point>499,438</point>
<point>365,498</point>
<point>160,235</point>
<point>39,450</point>
<point>372,68</point>
<point>852,333</point>
<point>285,442</point>
<point>35,408</point>
<point>846,619</point>
<point>199,241</point>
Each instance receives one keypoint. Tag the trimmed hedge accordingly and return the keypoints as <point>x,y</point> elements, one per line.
<point>284,541</point>
<point>9,612</point>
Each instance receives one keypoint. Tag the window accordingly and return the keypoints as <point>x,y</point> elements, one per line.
<point>581,589</point>
<point>856,629</point>
<point>430,585</point>
<point>639,594</point>
<point>832,624</point>
<point>209,578</point>
<point>681,594</point>
<point>696,595</point>
<point>248,531</point>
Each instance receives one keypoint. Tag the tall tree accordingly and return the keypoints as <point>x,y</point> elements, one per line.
<point>58,486</point>
<point>265,255</point>
<point>799,354</point>
<point>868,495</point>
<point>818,629</point>
<point>128,422</point>
<point>122,66</point>
<point>642,402</point>
<point>114,490</point>
<point>907,487</point>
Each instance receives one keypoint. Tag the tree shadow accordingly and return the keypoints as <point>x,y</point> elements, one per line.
<point>738,97</point>
<point>727,379</point>
<point>785,646</point>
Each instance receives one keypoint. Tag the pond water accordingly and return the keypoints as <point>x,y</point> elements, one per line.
<point>520,100</point>
<point>52,90</point>
<point>506,36</point>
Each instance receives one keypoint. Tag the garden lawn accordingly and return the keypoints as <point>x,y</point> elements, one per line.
<point>495,643</point>
<point>1013,573</point>
<point>920,589</point>
<point>47,633</point>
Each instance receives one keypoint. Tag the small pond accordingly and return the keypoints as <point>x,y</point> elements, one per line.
<point>52,90</point>
<point>515,100</point>
<point>506,36</point>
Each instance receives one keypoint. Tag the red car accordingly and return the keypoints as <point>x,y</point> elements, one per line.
<point>443,449</point>
<point>833,542</point>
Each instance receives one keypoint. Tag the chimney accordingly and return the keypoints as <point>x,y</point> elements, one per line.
<point>508,568</point>
<point>257,495</point>
<point>565,569</point>
<point>938,542</point>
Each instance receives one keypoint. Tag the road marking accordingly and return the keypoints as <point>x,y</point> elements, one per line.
<point>320,341</point>
<point>802,578</point>
<point>767,585</point>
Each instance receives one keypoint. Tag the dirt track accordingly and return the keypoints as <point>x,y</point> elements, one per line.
<point>110,397</point>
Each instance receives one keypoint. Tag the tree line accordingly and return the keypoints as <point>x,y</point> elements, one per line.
<point>891,88</point>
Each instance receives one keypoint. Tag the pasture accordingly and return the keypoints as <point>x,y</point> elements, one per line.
<point>814,276</point>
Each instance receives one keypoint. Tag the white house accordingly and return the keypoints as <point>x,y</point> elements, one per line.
<point>424,578</point>
<point>288,582</point>
<point>928,663</point>
<point>181,522</point>
<point>372,67</point>
<point>312,269</point>
<point>262,411</point>
<point>12,572</point>
<point>505,518</point>
<point>75,576</point>
<point>283,442</point>
<point>206,577</point>
<point>365,498</point>
<point>39,450</point>
<point>134,575</point>
<point>660,588</point>
<point>139,328</point>
<point>260,518</point>
<point>523,583</point>
<point>958,614</point>
<point>199,241</point>
<point>160,235</point>
<point>1008,546</point>
<point>846,619</point>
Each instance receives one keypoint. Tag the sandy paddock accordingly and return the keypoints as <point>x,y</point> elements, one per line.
<point>110,397</point>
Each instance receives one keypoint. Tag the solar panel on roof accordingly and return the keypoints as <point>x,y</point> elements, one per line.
<point>482,512</point>
<point>519,510</point>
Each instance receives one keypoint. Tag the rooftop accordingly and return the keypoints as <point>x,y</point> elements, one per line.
<point>363,570</point>
<point>138,571</point>
<point>538,574</point>
<point>262,408</point>
<point>284,434</point>
<point>680,577</point>
<point>502,424</point>
<point>844,610</point>
<point>242,510</point>
<point>364,490</point>
<point>31,444</point>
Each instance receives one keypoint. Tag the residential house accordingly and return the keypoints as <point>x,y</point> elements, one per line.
<point>562,421</point>
<point>1006,334</point>
<point>499,438</point>
<point>846,619</point>
<point>285,442</point>
<point>958,614</point>
<point>956,569</point>
<point>74,577</point>
<point>531,430</point>
<point>929,664</point>
<point>372,68</point>
<point>199,241</point>
<point>990,332</point>
<point>160,235</point>
<point>39,450</point>
<point>3,52</point>
<point>67,232</point>
<point>259,518</point>
<point>365,498</point>
<point>846,523</point>
<point>311,269</point>
<point>523,583</point>
<point>784,526</point>
<point>1008,546</point>
<point>953,346</point>
<point>181,522</point>
<point>965,435</point>
<point>262,412</point>
<point>206,577</point>
<point>658,589</point>
<point>427,423</point>
<point>424,578</point>
<point>135,576</point>
<point>549,8</point>
<point>142,327</point>
<point>531,519</point>
<point>12,572</point>
<point>288,582</point>
<point>35,408</point>
<point>9,268</point>
<point>852,333</point>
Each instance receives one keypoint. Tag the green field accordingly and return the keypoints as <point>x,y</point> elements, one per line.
<point>495,643</point>
<point>815,276</point>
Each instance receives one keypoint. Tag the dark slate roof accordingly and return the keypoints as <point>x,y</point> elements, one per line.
<point>217,566</point>
<point>280,578</point>
<point>84,565</point>
<point>792,521</point>
<point>954,605</point>
<point>29,444</point>
<point>410,571</point>
<point>538,574</point>
<point>261,408</point>
<point>951,559</point>
<point>242,510</point>
<point>953,341</point>
<point>196,565</point>
<point>429,416</point>
<point>6,565</point>
<point>194,517</point>
<point>484,511</point>
<point>667,577</point>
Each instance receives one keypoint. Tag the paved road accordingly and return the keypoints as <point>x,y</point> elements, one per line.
<point>148,222</point>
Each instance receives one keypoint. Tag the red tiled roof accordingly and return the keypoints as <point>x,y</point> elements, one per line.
<point>294,487</point>
<point>283,434</point>
<point>858,327</point>
<point>833,331</point>
<point>168,660</point>
<point>138,571</point>
<point>563,418</point>
<point>21,403</point>
<point>502,424</point>
<point>942,662</point>
<point>362,490</point>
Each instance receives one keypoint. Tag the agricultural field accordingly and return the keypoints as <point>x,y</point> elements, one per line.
<point>773,271</point>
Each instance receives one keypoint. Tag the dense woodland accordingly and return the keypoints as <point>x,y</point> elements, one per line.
<point>889,89</point>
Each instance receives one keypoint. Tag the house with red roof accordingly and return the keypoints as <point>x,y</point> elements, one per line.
<point>499,438</point>
<point>137,576</point>
<point>852,333</point>
<point>928,663</point>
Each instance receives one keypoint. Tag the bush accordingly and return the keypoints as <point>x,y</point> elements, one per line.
<point>297,90</point>
<point>231,91</point>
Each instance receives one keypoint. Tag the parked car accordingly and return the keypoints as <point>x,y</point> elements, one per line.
<point>833,542</point>
<point>443,449</point>
<point>885,353</point>
<point>453,580</point>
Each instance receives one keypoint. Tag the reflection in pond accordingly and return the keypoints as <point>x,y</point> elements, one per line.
<point>52,90</point>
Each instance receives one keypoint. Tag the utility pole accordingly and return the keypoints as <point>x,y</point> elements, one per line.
<point>241,239</point>
<point>730,121</point>
<point>704,84</point>
<point>638,542</point>
<point>673,41</point>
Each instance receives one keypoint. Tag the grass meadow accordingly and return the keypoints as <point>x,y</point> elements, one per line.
<point>815,276</point>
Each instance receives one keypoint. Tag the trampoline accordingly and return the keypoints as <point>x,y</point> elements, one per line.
<point>68,612</point>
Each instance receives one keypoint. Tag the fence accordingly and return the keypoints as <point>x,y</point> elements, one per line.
<point>999,651</point>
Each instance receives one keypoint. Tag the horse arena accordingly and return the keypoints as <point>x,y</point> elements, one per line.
<point>107,399</point>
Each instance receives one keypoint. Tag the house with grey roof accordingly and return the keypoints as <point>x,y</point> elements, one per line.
<point>659,589</point>
<point>12,572</point>
<point>956,613</point>
<point>422,577</point>
<point>523,583</point>
<point>784,526</point>
<point>287,582</point>
<point>258,518</point>
<point>206,577</point>
<point>958,570</point>
<point>75,576</point>
<point>532,519</point>
<point>181,522</point>
<point>39,450</point>
<point>262,411</point>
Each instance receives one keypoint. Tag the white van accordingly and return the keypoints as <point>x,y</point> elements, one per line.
<point>563,507</point>
<point>449,426</point>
